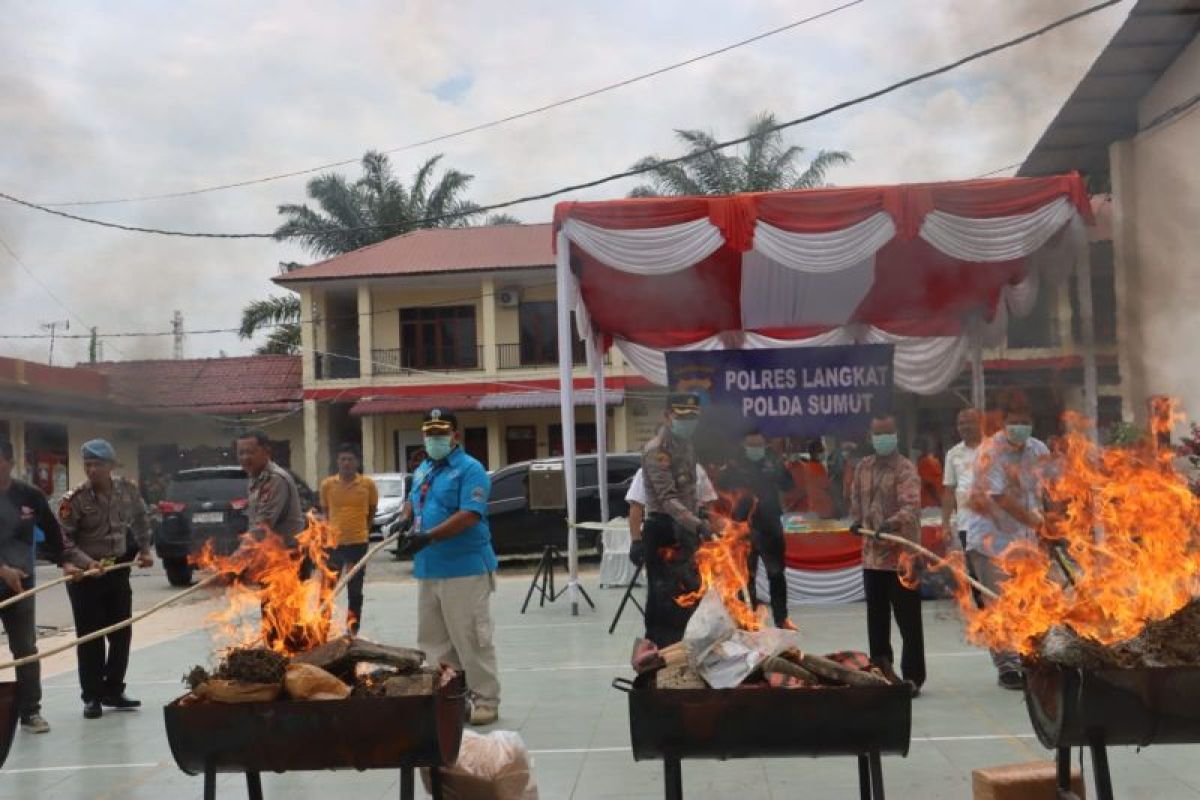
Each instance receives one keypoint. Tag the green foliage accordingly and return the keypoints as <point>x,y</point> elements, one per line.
<point>1125,434</point>
<point>763,164</point>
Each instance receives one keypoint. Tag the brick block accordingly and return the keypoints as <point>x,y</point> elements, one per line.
<point>1028,781</point>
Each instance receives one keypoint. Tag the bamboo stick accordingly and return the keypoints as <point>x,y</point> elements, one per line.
<point>138,617</point>
<point>41,587</point>
<point>932,556</point>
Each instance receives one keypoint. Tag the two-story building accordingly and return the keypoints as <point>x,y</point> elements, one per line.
<point>461,318</point>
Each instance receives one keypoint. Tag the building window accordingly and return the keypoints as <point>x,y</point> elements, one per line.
<point>438,338</point>
<point>585,439</point>
<point>539,335</point>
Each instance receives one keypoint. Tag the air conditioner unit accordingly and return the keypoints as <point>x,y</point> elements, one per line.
<point>509,298</point>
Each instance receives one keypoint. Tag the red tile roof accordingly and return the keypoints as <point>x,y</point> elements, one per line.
<point>434,250</point>
<point>240,385</point>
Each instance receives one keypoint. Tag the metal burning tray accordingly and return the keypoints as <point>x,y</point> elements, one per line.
<point>1072,707</point>
<point>764,722</point>
<point>356,733</point>
<point>8,718</point>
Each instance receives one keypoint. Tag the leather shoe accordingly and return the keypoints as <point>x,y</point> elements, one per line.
<point>121,701</point>
<point>93,710</point>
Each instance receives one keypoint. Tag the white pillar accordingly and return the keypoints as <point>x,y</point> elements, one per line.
<point>978,388</point>
<point>596,356</point>
<point>366,337</point>
<point>370,452</point>
<point>312,439</point>
<point>308,337</point>
<point>16,431</point>
<point>564,280</point>
<point>487,320</point>
<point>1087,330</point>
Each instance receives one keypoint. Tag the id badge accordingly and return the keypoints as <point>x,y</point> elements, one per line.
<point>417,523</point>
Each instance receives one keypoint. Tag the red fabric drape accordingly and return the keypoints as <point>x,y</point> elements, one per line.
<point>823,551</point>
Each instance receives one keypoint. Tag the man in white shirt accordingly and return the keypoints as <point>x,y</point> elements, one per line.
<point>958,477</point>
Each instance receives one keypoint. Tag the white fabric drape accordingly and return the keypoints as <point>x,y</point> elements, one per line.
<point>825,252</point>
<point>777,296</point>
<point>647,251</point>
<point>923,364</point>
<point>997,238</point>
<point>815,586</point>
<point>651,362</point>
<point>758,341</point>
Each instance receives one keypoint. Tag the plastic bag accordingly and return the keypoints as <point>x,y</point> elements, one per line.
<point>492,767</point>
<point>709,626</point>
<point>308,682</point>
<point>222,691</point>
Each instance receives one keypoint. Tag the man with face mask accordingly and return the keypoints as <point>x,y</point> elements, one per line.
<point>885,496</point>
<point>673,529</point>
<point>1007,492</point>
<point>958,477</point>
<point>759,474</point>
<point>454,564</point>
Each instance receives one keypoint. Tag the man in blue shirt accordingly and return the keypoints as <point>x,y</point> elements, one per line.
<point>454,563</point>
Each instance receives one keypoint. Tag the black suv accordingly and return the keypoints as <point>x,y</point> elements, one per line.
<point>517,529</point>
<point>202,504</point>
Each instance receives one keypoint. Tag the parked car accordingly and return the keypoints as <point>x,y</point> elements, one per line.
<point>393,489</point>
<point>517,529</point>
<point>202,504</point>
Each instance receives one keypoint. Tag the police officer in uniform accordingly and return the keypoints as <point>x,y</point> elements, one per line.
<point>97,519</point>
<point>673,528</point>
<point>758,475</point>
<point>272,499</point>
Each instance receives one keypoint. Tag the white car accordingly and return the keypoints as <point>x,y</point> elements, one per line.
<point>393,489</point>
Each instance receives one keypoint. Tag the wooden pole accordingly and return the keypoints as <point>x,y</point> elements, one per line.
<point>92,573</point>
<point>932,556</point>
<point>138,617</point>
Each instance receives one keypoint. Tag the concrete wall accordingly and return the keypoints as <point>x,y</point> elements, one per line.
<point>1156,237</point>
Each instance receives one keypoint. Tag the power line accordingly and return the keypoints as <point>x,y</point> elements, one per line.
<point>433,221</point>
<point>480,127</point>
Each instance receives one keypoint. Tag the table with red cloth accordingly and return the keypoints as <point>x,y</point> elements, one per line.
<point>824,563</point>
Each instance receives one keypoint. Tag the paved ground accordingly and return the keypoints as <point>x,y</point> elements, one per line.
<point>557,671</point>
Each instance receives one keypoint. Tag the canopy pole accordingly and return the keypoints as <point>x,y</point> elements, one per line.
<point>978,388</point>
<point>562,264</point>
<point>1087,337</point>
<point>596,355</point>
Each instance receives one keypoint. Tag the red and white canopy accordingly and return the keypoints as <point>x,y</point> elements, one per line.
<point>914,265</point>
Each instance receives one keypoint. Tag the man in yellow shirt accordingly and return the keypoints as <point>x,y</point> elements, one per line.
<point>348,500</point>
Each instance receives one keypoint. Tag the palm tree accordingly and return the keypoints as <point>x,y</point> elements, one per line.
<point>350,215</point>
<point>764,164</point>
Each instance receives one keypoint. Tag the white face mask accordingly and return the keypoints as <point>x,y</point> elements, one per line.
<point>438,447</point>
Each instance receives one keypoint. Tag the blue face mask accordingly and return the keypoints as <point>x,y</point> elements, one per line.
<point>684,428</point>
<point>438,447</point>
<point>1018,434</point>
<point>884,443</point>
<point>756,453</point>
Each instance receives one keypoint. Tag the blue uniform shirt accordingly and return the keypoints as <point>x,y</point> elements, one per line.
<point>457,483</point>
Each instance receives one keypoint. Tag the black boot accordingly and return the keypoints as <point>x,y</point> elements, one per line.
<point>92,709</point>
<point>120,701</point>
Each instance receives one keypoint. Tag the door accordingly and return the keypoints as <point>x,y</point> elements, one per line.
<point>520,443</point>
<point>475,442</point>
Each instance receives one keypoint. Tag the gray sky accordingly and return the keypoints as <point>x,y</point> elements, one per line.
<point>103,100</point>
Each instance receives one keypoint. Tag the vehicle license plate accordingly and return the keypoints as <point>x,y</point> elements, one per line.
<point>208,517</point>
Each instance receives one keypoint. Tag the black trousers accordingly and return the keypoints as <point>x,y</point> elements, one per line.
<point>768,545</point>
<point>21,629</point>
<point>670,572</point>
<point>887,596</point>
<point>344,557</point>
<point>97,603</point>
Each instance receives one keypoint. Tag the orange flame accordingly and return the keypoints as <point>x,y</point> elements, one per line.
<point>1128,522</point>
<point>724,564</point>
<point>264,574</point>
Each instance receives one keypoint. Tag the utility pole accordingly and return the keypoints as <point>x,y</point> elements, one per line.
<point>94,347</point>
<point>177,332</point>
<point>53,327</point>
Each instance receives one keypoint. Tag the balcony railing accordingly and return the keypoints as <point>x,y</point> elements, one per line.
<point>406,361</point>
<point>513,356</point>
<point>333,365</point>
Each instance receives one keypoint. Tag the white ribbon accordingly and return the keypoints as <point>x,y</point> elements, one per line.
<point>825,252</point>
<point>996,238</point>
<point>647,251</point>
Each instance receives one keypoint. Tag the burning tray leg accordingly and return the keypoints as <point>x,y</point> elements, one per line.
<point>672,779</point>
<point>407,784</point>
<point>254,786</point>
<point>1100,770</point>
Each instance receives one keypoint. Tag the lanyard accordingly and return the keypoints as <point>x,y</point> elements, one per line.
<point>426,485</point>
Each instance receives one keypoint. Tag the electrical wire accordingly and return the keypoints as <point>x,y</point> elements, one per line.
<point>590,184</point>
<point>482,126</point>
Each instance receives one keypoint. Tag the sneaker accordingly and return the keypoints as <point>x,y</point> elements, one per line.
<point>121,702</point>
<point>1012,679</point>
<point>484,715</point>
<point>35,723</point>
<point>92,709</point>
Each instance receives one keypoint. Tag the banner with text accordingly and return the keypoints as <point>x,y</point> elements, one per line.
<point>795,391</point>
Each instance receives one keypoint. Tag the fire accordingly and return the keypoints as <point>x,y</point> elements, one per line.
<point>724,564</point>
<point>1128,523</point>
<point>264,575</point>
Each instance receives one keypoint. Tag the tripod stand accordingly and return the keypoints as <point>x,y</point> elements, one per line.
<point>543,581</point>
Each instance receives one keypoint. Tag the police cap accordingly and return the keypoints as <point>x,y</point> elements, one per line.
<point>684,404</point>
<point>439,422</point>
